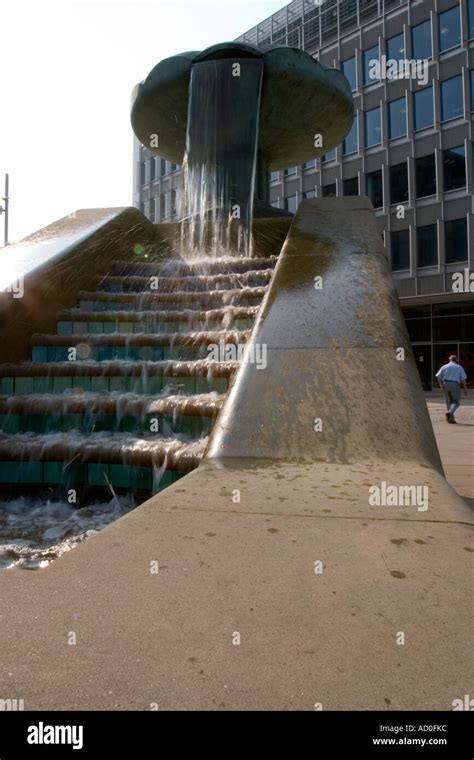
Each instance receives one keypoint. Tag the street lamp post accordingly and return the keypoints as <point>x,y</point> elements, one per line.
<point>4,210</point>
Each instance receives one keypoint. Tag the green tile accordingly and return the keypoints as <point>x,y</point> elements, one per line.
<point>100,384</point>
<point>152,384</point>
<point>183,385</point>
<point>104,422</point>
<point>9,472</point>
<point>8,386</point>
<point>64,328</point>
<point>31,472</point>
<point>177,475</point>
<point>125,327</point>
<point>98,474</point>
<point>81,383</point>
<point>118,384</point>
<point>39,354</point>
<point>71,422</point>
<point>79,328</point>
<point>141,478</point>
<point>43,384</point>
<point>24,385</point>
<point>109,327</point>
<point>76,473</point>
<point>95,327</point>
<point>161,480</point>
<point>61,384</point>
<point>218,384</point>
<point>130,424</point>
<point>34,423</point>
<point>10,423</point>
<point>120,475</point>
<point>53,472</point>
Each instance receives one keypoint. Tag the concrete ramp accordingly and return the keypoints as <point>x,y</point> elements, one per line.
<point>337,351</point>
<point>276,575</point>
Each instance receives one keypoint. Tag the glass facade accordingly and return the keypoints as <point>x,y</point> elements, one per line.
<point>374,188</point>
<point>369,57</point>
<point>452,103</point>
<point>400,247</point>
<point>351,186</point>
<point>351,142</point>
<point>449,26</point>
<point>373,128</point>
<point>399,183</point>
<point>427,245</point>
<point>455,240</point>
<point>425,176</point>
<point>454,168</point>
<point>423,108</point>
<point>397,118</point>
<point>421,43</point>
<point>350,72</point>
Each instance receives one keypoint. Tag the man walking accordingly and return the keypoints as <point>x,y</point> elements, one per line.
<point>450,378</point>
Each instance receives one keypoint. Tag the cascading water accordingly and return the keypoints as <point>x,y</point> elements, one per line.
<point>220,158</point>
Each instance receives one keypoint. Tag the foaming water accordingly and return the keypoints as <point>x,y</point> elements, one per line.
<point>34,532</point>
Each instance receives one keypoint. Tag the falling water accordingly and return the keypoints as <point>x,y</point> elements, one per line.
<point>220,157</point>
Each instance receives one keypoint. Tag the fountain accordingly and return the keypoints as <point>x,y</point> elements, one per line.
<point>269,538</point>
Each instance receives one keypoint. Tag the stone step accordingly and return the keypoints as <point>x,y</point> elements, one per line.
<point>77,321</point>
<point>92,412</point>
<point>204,266</point>
<point>133,346</point>
<point>186,378</point>
<point>98,301</point>
<point>195,283</point>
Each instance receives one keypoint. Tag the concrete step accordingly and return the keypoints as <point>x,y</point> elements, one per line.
<point>133,346</point>
<point>195,283</point>
<point>98,301</point>
<point>93,412</point>
<point>186,378</point>
<point>77,321</point>
<point>181,268</point>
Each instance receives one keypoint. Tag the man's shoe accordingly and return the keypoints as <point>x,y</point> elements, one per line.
<point>448,417</point>
<point>452,421</point>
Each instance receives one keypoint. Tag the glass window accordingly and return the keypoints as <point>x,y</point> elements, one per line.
<point>291,170</point>
<point>162,167</point>
<point>396,50</point>
<point>421,41</point>
<point>275,204</point>
<point>350,143</point>
<point>373,129</point>
<point>455,240</point>
<point>427,245</point>
<point>349,71</point>
<point>397,118</point>
<point>423,108</point>
<point>400,245</point>
<point>142,172</point>
<point>329,190</point>
<point>310,164</point>
<point>471,74</point>
<point>173,206</point>
<point>452,105</point>
<point>162,206</point>
<point>351,186</point>
<point>152,169</point>
<point>398,183</point>
<point>425,176</point>
<point>274,176</point>
<point>151,210</point>
<point>290,204</point>
<point>454,165</point>
<point>309,194</point>
<point>374,188</point>
<point>470,14</point>
<point>449,24</point>
<point>329,156</point>
<point>370,56</point>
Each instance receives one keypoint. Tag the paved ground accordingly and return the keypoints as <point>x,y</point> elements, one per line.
<point>455,443</point>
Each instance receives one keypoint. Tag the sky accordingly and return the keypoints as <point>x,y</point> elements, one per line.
<point>67,72</point>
